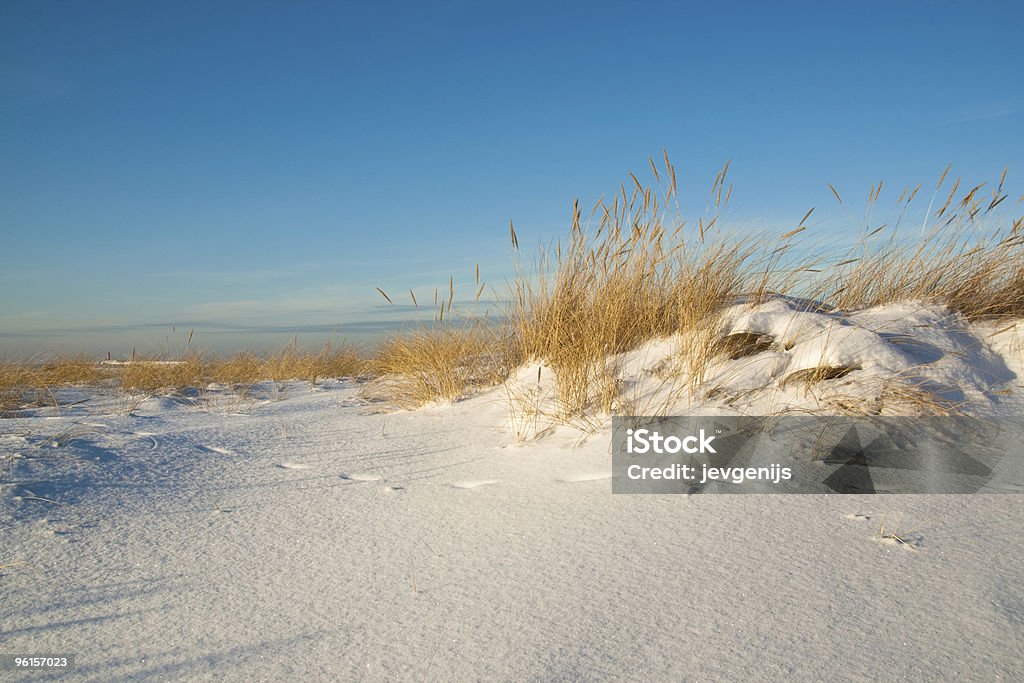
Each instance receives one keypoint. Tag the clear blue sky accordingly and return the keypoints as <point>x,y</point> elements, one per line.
<point>253,167</point>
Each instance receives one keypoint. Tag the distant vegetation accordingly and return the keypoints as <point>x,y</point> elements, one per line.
<point>25,384</point>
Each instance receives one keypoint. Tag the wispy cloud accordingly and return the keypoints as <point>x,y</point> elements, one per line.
<point>322,309</point>
<point>987,115</point>
<point>228,277</point>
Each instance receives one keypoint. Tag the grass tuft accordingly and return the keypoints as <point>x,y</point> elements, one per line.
<point>636,273</point>
<point>439,364</point>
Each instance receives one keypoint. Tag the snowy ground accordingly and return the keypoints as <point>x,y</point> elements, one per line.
<point>306,532</point>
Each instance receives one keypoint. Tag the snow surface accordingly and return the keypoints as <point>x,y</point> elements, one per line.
<point>306,532</point>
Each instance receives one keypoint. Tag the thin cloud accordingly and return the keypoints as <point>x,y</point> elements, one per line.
<point>227,277</point>
<point>985,116</point>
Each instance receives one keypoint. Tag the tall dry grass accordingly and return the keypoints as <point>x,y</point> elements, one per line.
<point>31,383</point>
<point>451,357</point>
<point>289,363</point>
<point>636,272</point>
<point>153,375</point>
<point>961,256</point>
<point>440,364</point>
<point>640,271</point>
<point>34,383</point>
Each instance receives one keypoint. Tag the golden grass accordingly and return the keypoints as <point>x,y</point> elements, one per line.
<point>639,272</point>
<point>15,382</point>
<point>444,364</point>
<point>289,363</point>
<point>153,375</point>
<point>453,357</point>
<point>70,370</point>
<point>32,384</point>
<point>966,258</point>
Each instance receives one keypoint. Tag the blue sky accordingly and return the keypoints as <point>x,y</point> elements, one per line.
<point>256,169</point>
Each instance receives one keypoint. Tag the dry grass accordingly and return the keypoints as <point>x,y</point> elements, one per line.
<point>891,533</point>
<point>449,359</point>
<point>913,396</point>
<point>637,273</point>
<point>15,381</point>
<point>445,363</point>
<point>290,363</point>
<point>157,375</point>
<point>742,344</point>
<point>635,270</point>
<point>965,258</point>
<point>71,370</point>
<point>818,373</point>
<point>32,384</point>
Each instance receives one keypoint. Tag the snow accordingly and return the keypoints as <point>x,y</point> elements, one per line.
<point>309,532</point>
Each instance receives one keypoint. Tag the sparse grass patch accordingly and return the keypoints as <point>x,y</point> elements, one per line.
<point>15,381</point>
<point>241,369</point>
<point>153,375</point>
<point>32,384</point>
<point>446,363</point>
<point>291,363</point>
<point>341,361</point>
<point>71,370</point>
<point>889,532</point>
<point>910,396</point>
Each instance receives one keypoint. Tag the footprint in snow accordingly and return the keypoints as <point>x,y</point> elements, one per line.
<point>858,517</point>
<point>218,449</point>
<point>362,476</point>
<point>473,483</point>
<point>293,466</point>
<point>586,476</point>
